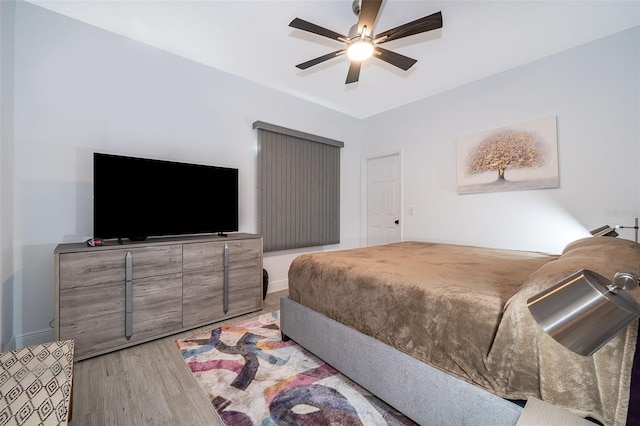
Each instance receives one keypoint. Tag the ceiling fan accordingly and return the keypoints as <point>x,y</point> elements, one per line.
<point>361,41</point>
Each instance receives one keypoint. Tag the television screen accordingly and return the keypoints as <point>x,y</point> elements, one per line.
<point>137,198</point>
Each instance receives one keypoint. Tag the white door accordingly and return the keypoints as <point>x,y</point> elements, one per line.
<point>383,200</point>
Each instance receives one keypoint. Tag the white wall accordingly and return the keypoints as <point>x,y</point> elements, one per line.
<point>7,10</point>
<point>593,90</point>
<point>79,89</point>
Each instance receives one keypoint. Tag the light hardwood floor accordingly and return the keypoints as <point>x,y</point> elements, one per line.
<point>148,384</point>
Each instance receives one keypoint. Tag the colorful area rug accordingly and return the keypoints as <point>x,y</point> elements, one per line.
<point>252,377</point>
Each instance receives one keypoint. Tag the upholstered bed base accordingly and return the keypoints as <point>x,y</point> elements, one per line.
<point>423,393</point>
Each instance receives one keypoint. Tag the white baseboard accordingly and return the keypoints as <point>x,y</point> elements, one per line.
<point>30,339</point>
<point>11,344</point>
<point>44,336</point>
<point>278,286</point>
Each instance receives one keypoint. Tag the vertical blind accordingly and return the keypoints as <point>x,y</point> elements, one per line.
<point>298,179</point>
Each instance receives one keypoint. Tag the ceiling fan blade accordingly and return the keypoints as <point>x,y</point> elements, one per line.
<point>427,23</point>
<point>301,24</point>
<point>368,14</point>
<point>393,58</point>
<point>316,61</point>
<point>354,72</point>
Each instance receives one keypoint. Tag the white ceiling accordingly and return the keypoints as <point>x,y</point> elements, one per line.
<point>252,39</point>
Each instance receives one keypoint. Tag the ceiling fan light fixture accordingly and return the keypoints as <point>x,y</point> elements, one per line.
<point>361,43</point>
<point>360,50</point>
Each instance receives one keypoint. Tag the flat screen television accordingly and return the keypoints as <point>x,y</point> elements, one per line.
<point>136,198</point>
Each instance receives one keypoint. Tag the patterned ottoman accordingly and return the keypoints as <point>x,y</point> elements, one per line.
<point>35,384</point>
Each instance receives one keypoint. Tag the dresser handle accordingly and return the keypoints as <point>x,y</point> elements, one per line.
<point>128,296</point>
<point>225,286</point>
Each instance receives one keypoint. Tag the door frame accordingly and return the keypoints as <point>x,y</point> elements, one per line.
<point>364,162</point>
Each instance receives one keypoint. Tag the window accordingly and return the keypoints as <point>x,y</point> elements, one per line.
<point>298,188</point>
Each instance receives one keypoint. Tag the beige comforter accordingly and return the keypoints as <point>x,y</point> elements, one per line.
<point>463,310</point>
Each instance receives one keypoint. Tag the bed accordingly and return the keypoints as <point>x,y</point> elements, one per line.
<point>442,332</point>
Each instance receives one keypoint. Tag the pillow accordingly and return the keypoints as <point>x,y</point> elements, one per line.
<point>603,255</point>
<point>606,254</point>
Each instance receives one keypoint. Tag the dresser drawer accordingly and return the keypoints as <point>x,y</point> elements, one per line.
<point>105,266</point>
<point>94,316</point>
<point>203,258</point>
<point>156,261</point>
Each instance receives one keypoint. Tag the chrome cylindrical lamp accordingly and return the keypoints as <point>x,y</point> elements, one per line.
<point>585,310</point>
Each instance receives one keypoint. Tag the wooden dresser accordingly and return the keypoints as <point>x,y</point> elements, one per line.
<point>117,295</point>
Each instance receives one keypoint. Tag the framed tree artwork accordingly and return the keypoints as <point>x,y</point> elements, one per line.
<point>522,156</point>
